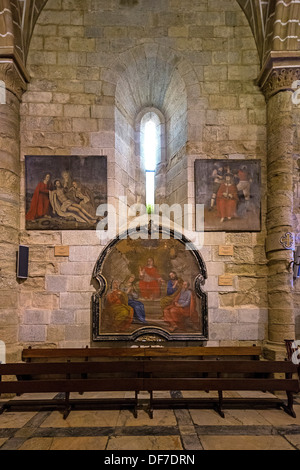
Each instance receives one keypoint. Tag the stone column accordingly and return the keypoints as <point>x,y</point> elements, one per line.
<point>14,85</point>
<point>276,82</point>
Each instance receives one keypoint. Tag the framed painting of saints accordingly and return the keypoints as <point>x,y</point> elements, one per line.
<point>63,192</point>
<point>230,191</point>
<point>150,287</point>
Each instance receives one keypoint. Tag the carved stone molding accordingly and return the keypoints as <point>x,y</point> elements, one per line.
<point>280,80</point>
<point>279,73</point>
<point>13,79</point>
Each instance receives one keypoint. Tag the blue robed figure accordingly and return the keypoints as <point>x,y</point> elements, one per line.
<point>139,315</point>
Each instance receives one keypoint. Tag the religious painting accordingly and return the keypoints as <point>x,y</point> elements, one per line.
<point>150,287</point>
<point>230,191</point>
<point>63,192</point>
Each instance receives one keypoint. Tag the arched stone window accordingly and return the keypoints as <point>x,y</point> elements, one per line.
<point>151,139</point>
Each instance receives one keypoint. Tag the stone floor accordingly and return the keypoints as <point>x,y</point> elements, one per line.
<point>169,430</point>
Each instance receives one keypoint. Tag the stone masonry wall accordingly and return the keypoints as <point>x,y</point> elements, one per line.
<point>83,54</point>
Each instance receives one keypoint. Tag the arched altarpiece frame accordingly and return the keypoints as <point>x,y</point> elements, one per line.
<point>124,256</point>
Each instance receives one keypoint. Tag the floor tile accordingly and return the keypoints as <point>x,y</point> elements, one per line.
<point>278,417</point>
<point>2,440</point>
<point>212,418</point>
<point>160,418</point>
<point>245,443</point>
<point>144,443</point>
<point>37,444</point>
<point>65,443</point>
<point>294,439</point>
<point>89,418</point>
<point>15,419</point>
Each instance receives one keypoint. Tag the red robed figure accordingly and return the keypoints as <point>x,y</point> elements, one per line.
<point>39,206</point>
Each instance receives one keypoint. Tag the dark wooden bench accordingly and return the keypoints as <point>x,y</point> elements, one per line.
<point>67,377</point>
<point>146,373</point>
<point>221,376</point>
<point>78,354</point>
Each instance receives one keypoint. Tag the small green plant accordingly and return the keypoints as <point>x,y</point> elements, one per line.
<point>150,209</point>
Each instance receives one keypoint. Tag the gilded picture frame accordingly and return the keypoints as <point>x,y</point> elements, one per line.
<point>135,297</point>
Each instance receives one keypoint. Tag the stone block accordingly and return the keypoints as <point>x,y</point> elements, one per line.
<point>223,102</point>
<point>80,238</point>
<point>82,44</point>
<point>43,109</point>
<point>36,317</point>
<point>84,253</point>
<point>74,110</point>
<point>56,44</point>
<point>80,284</point>
<point>32,333</point>
<point>220,331</point>
<point>8,317</point>
<point>253,315</point>
<point>248,332</point>
<point>227,299</point>
<point>9,334</point>
<point>9,299</point>
<point>213,300</point>
<point>44,300</point>
<point>223,315</point>
<point>56,283</point>
<point>55,333</point>
<point>37,97</point>
<point>70,300</point>
<point>78,332</point>
<point>51,17</point>
<point>83,316</point>
<point>77,268</point>
<point>84,125</point>
<point>62,317</point>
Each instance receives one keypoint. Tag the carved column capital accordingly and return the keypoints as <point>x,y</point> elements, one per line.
<point>279,73</point>
<point>15,81</point>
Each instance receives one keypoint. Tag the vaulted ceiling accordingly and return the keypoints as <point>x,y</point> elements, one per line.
<point>275,25</point>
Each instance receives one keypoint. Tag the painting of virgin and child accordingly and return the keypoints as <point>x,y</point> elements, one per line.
<point>64,192</point>
<point>158,292</point>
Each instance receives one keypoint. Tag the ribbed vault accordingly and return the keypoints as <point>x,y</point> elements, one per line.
<point>275,24</point>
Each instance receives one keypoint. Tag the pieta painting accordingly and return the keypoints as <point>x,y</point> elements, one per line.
<point>150,286</point>
<point>63,192</point>
<point>230,191</point>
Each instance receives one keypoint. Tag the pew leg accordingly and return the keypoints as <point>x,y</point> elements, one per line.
<point>151,405</point>
<point>289,407</point>
<point>67,405</point>
<point>135,404</point>
<point>219,405</point>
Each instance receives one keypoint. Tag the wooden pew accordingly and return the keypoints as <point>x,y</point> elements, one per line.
<point>68,377</point>
<point>73,354</point>
<point>220,376</point>
<point>150,372</point>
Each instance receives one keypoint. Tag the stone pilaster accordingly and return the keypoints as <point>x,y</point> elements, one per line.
<point>14,85</point>
<point>276,82</point>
